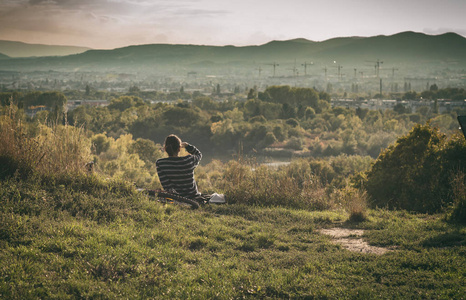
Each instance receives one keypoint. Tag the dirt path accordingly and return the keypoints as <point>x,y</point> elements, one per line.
<point>351,240</point>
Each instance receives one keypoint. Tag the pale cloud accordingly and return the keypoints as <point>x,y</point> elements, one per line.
<point>91,23</point>
<point>118,23</point>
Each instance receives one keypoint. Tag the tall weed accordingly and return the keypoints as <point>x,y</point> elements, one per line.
<point>53,150</point>
<point>458,214</point>
<point>248,183</point>
<point>18,152</point>
<point>354,201</point>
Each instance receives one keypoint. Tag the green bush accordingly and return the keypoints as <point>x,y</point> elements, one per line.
<point>415,173</point>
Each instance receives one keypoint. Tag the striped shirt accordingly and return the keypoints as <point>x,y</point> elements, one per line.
<point>177,173</point>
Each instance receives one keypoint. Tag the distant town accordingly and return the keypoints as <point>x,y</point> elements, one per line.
<point>439,106</point>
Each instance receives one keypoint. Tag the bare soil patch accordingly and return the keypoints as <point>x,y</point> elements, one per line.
<point>351,239</point>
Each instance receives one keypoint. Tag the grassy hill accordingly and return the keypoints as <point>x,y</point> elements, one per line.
<point>109,242</point>
<point>19,49</point>
<point>66,233</point>
<point>3,56</point>
<point>406,48</point>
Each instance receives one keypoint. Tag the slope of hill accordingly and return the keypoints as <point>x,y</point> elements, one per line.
<point>404,47</point>
<point>19,49</point>
<point>3,56</point>
<point>407,49</point>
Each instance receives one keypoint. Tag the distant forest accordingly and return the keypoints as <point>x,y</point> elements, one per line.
<point>280,122</point>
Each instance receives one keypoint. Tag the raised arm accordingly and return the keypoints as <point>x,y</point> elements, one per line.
<point>193,151</point>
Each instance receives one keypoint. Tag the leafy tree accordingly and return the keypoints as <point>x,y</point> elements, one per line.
<point>205,103</point>
<point>428,95</point>
<point>306,97</point>
<point>252,94</point>
<point>295,143</point>
<point>349,142</point>
<point>324,96</point>
<point>42,116</point>
<point>31,99</point>
<point>134,90</point>
<point>101,143</point>
<point>279,94</point>
<point>337,122</point>
<point>259,118</point>
<point>280,133</point>
<point>146,149</point>
<point>361,112</point>
<point>322,106</point>
<point>410,95</point>
<point>235,115</point>
<point>181,117</point>
<point>292,96</point>
<point>309,113</point>
<point>269,139</point>
<point>125,102</point>
<point>56,101</point>
<point>373,121</point>
<point>224,135</point>
<point>401,109</point>
<point>252,107</point>
<point>288,111</point>
<point>292,122</point>
<point>6,98</point>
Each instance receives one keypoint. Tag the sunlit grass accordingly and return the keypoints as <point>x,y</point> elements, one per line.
<point>68,234</point>
<point>134,247</point>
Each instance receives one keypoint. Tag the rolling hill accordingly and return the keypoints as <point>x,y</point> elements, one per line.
<point>404,49</point>
<point>19,49</point>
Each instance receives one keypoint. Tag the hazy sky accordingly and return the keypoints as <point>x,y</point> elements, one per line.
<point>116,23</point>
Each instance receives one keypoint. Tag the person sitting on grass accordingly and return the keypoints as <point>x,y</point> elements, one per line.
<point>176,173</point>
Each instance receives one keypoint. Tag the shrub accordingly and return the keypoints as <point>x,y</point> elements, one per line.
<point>292,122</point>
<point>295,143</point>
<point>415,172</point>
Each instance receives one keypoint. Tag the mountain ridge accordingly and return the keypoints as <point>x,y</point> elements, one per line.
<point>404,48</point>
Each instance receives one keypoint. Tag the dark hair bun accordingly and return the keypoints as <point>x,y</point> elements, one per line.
<point>172,145</point>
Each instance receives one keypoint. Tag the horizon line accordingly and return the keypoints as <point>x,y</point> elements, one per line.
<point>233,45</point>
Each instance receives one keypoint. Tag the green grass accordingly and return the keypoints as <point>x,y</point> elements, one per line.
<point>107,242</point>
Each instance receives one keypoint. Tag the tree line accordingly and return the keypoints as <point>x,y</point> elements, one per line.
<point>414,158</point>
